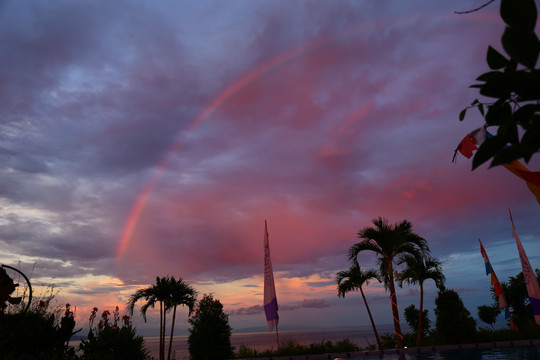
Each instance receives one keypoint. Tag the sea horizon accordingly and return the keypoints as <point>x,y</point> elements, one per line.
<point>261,340</point>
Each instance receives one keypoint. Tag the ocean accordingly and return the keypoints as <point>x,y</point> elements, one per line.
<point>361,336</point>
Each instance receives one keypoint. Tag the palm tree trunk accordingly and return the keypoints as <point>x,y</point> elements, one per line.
<point>371,319</point>
<point>163,339</point>
<point>393,302</point>
<point>172,332</point>
<point>420,316</point>
<point>160,328</point>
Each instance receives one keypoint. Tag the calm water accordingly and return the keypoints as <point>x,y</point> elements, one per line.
<point>266,340</point>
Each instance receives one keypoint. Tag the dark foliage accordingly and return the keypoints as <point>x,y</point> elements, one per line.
<point>36,335</point>
<point>210,332</point>
<point>454,323</point>
<point>514,85</point>
<point>292,348</point>
<point>411,316</point>
<point>517,297</point>
<point>112,340</point>
<point>488,314</point>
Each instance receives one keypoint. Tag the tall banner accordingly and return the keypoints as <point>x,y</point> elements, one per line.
<point>495,282</point>
<point>530,277</point>
<point>270,299</point>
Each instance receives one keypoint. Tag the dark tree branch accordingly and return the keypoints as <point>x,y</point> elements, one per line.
<point>473,10</point>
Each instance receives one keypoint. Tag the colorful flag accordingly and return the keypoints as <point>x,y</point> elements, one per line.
<point>530,276</point>
<point>475,138</point>
<point>494,281</point>
<point>470,142</point>
<point>270,299</point>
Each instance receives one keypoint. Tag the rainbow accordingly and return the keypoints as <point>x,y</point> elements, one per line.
<point>241,83</point>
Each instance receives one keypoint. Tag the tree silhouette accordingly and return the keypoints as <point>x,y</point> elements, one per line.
<point>454,322</point>
<point>419,269</point>
<point>390,242</point>
<point>353,279</point>
<point>210,333</point>
<point>169,293</point>
<point>488,314</point>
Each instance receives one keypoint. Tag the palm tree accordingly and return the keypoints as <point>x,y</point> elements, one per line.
<point>169,293</point>
<point>181,294</point>
<point>390,242</point>
<point>353,279</point>
<point>418,270</point>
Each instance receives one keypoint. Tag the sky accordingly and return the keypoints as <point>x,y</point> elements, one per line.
<point>153,138</point>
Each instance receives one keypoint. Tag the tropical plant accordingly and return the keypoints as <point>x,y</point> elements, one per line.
<point>390,242</point>
<point>412,316</point>
<point>181,294</point>
<point>488,314</point>
<point>169,293</point>
<point>37,334</point>
<point>513,83</point>
<point>454,322</point>
<point>293,348</point>
<point>419,269</point>
<point>113,340</point>
<point>210,332</point>
<point>353,279</point>
<point>517,296</point>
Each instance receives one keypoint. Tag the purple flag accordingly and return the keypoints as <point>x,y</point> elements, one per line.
<point>270,300</point>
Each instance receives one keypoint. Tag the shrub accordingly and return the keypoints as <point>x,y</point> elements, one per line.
<point>112,340</point>
<point>210,333</point>
<point>36,335</point>
<point>292,348</point>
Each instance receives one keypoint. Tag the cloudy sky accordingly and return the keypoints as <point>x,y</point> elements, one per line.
<point>151,138</point>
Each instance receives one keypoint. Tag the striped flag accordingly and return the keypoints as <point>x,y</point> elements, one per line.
<point>496,287</point>
<point>270,299</point>
<point>530,277</point>
<point>494,281</point>
<point>475,138</point>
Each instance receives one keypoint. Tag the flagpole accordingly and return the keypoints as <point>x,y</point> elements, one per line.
<point>277,337</point>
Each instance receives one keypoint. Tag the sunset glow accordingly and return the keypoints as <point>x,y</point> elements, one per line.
<point>143,139</point>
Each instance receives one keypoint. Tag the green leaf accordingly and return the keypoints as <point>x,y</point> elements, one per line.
<point>462,114</point>
<point>487,150</point>
<point>524,115</point>
<point>521,45</point>
<point>495,60</point>
<point>498,114</point>
<point>519,13</point>
<point>531,138</point>
<point>508,131</point>
<point>507,155</point>
<point>526,84</point>
<point>481,109</point>
<point>496,84</point>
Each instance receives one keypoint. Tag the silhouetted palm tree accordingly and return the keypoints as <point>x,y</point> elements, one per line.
<point>418,270</point>
<point>169,293</point>
<point>390,242</point>
<point>353,279</point>
<point>181,294</point>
